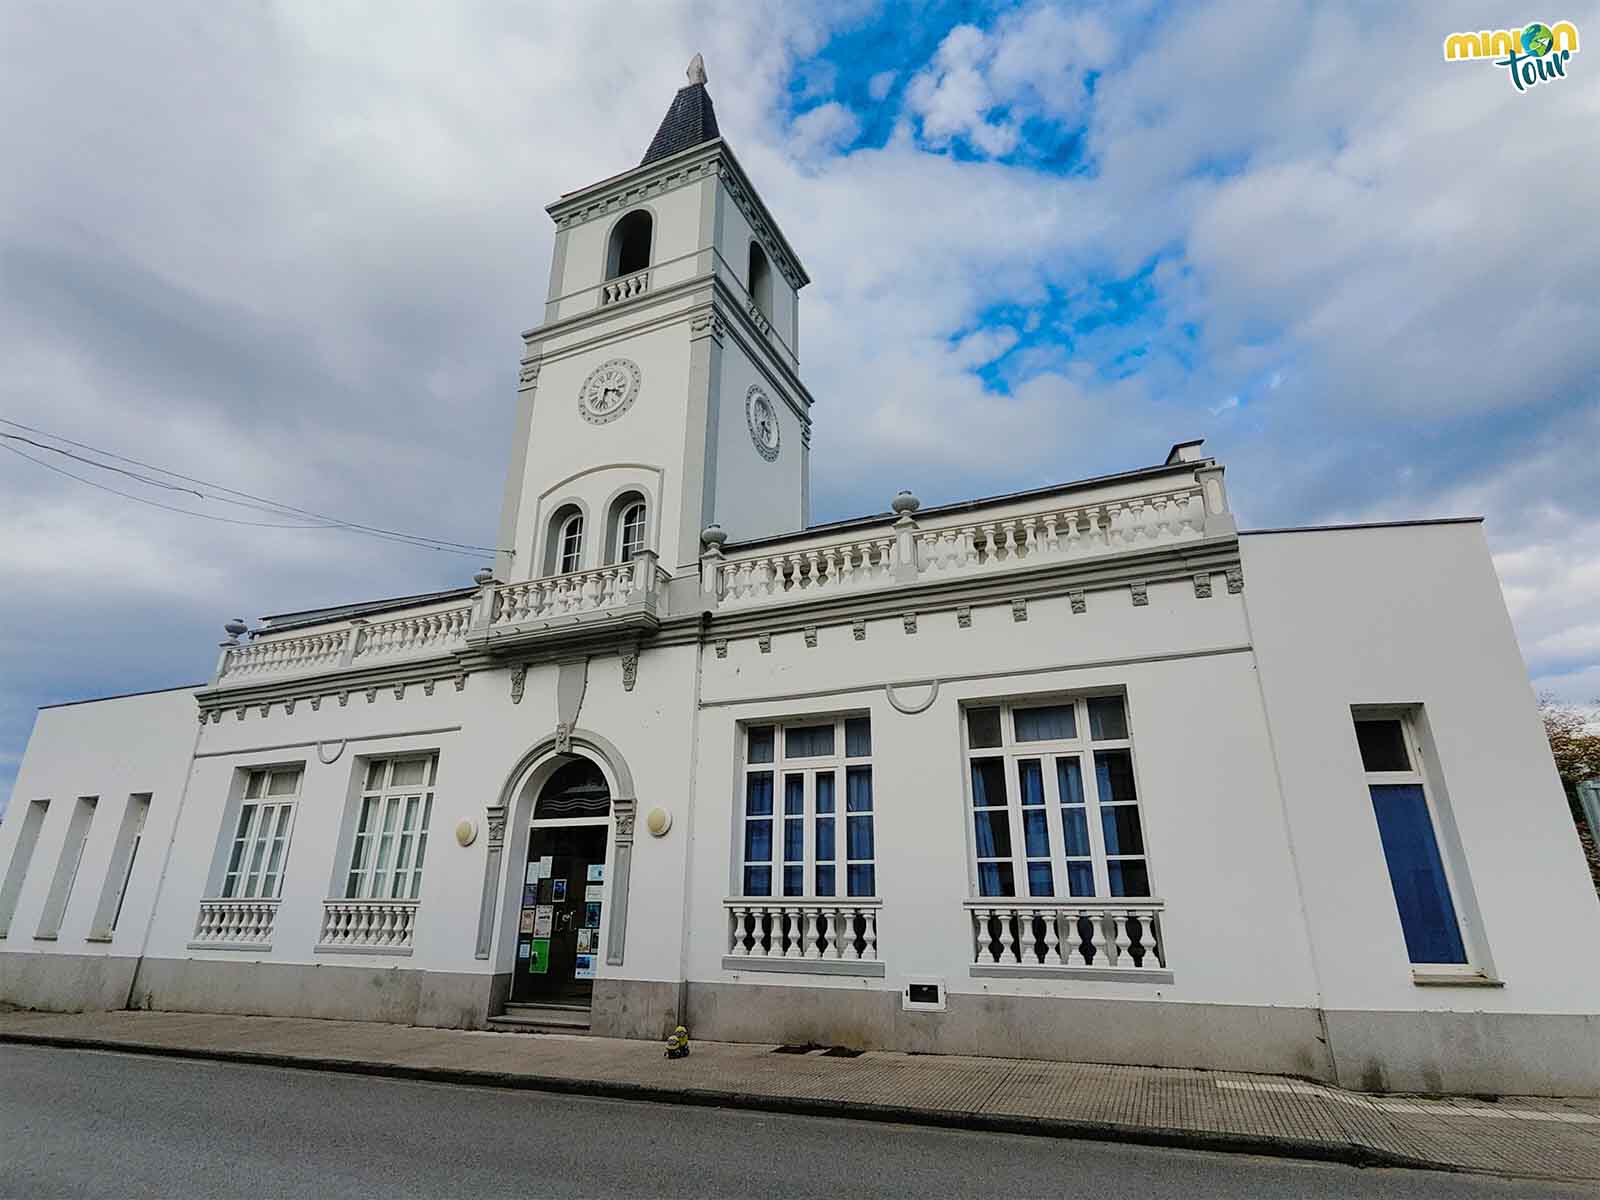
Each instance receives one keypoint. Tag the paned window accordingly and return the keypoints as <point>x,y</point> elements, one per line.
<point>569,545</point>
<point>630,532</point>
<point>1055,808</point>
<point>1407,828</point>
<point>261,839</point>
<point>808,810</point>
<point>392,829</point>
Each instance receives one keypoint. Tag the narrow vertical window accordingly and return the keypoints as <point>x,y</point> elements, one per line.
<point>1406,827</point>
<point>119,873</point>
<point>66,876</point>
<point>21,856</point>
<point>819,849</point>
<point>630,532</point>
<point>569,545</point>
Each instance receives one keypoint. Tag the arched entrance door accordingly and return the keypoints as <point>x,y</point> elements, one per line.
<point>558,930</point>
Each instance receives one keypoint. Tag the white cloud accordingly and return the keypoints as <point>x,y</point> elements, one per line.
<point>879,86</point>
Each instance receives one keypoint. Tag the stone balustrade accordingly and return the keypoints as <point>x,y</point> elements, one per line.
<point>372,926</point>
<point>1106,935</point>
<point>283,656</point>
<point>908,552</point>
<point>426,633</point>
<point>626,288</point>
<point>838,930</point>
<point>601,590</point>
<point>235,924</point>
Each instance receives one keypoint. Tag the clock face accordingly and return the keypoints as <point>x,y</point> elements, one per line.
<point>609,390</point>
<point>762,417</point>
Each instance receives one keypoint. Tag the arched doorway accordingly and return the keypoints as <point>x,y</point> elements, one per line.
<point>558,927</point>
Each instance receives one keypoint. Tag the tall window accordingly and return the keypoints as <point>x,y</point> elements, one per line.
<point>630,532</point>
<point>119,872</point>
<point>1406,825</point>
<point>66,876</point>
<point>1055,810</point>
<point>820,842</point>
<point>629,250</point>
<point>760,277</point>
<point>569,545</point>
<point>261,839</point>
<point>21,855</point>
<point>392,829</point>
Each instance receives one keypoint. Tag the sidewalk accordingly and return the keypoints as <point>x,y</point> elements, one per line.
<point>1218,1110</point>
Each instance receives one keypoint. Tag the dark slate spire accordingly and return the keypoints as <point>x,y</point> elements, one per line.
<point>690,121</point>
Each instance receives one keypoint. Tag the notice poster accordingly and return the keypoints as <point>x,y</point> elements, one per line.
<point>594,892</point>
<point>597,872</point>
<point>522,949</point>
<point>539,959</point>
<point>526,924</point>
<point>591,916</point>
<point>544,915</point>
<point>586,940</point>
<point>532,875</point>
<point>558,891</point>
<point>542,865</point>
<point>585,967</point>
<point>530,895</point>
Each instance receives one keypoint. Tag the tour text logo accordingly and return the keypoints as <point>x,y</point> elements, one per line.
<point>1533,54</point>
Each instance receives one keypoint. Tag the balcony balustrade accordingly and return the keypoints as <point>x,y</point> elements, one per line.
<point>819,930</point>
<point>370,926</point>
<point>906,552</point>
<point>1109,935</point>
<point>616,290</point>
<point>613,589</point>
<point>235,925</point>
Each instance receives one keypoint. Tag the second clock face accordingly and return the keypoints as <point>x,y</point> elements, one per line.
<point>763,420</point>
<point>609,390</point>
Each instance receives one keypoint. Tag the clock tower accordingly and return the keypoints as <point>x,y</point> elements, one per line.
<point>665,373</point>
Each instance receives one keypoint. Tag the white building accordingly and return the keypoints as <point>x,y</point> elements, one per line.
<point>1083,772</point>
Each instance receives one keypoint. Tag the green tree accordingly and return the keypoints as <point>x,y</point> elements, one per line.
<point>1575,744</point>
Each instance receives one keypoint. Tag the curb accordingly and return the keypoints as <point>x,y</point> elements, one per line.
<point>1353,1154</point>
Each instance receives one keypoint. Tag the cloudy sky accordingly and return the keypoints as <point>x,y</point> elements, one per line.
<point>289,247</point>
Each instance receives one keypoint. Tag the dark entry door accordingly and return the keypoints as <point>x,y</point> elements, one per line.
<point>558,938</point>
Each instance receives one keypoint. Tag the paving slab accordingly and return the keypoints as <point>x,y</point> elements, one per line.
<point>1529,1137</point>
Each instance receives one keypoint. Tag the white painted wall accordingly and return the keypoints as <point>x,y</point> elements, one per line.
<point>110,749</point>
<point>1414,615</point>
<point>756,498</point>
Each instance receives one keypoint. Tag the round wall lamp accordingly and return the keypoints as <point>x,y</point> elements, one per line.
<point>658,821</point>
<point>466,833</point>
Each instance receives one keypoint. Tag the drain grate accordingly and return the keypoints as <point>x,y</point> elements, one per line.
<point>814,1048</point>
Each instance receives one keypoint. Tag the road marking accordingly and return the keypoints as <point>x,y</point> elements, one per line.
<point>1407,1106</point>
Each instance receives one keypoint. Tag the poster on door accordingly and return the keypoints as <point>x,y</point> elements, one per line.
<point>543,918</point>
<point>539,957</point>
<point>585,967</point>
<point>525,925</point>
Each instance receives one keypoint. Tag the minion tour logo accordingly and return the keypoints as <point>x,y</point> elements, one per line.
<point>1534,54</point>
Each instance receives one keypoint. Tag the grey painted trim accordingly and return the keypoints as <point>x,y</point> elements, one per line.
<point>231,949</point>
<point>805,966</point>
<point>621,875</point>
<point>1364,525</point>
<point>558,269</point>
<point>701,434</point>
<point>1109,974</point>
<point>1444,979</point>
<point>181,687</point>
<point>330,682</point>
<point>359,737</point>
<point>1040,669</point>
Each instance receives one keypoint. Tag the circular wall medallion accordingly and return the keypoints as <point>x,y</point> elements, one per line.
<point>466,833</point>
<point>658,822</point>
<point>762,417</point>
<point>609,390</point>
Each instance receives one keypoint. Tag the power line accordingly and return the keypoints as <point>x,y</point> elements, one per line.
<point>249,500</point>
<point>153,503</point>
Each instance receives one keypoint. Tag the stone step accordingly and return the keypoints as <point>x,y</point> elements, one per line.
<point>536,1018</point>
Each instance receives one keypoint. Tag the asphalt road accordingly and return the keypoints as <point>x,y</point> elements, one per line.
<point>87,1123</point>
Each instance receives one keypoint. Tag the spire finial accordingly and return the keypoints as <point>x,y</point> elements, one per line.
<point>697,70</point>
